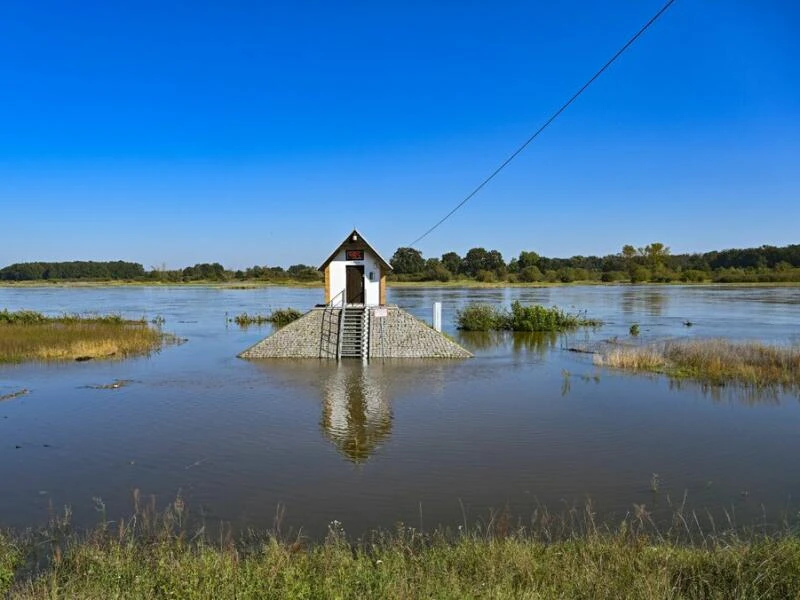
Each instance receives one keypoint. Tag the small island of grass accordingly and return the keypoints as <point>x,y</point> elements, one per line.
<point>487,317</point>
<point>714,361</point>
<point>31,336</point>
<point>279,318</point>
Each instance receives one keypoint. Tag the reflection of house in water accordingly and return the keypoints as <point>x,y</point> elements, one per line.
<point>356,415</point>
<point>356,397</point>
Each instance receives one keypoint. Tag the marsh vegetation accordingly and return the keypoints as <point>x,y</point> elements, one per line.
<point>535,317</point>
<point>713,361</point>
<point>32,336</point>
<point>279,318</point>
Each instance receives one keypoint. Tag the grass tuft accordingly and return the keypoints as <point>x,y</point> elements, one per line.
<point>279,318</point>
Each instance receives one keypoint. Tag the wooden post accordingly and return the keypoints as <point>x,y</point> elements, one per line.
<point>382,290</point>
<point>327,284</point>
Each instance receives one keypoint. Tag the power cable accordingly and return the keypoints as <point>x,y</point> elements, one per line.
<point>555,115</point>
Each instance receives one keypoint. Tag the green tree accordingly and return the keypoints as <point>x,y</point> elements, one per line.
<point>452,262</point>
<point>655,254</point>
<point>406,261</point>
<point>527,259</point>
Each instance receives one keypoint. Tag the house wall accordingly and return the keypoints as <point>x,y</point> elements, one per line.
<point>338,276</point>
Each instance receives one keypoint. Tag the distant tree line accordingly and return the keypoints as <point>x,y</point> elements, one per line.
<point>121,270</point>
<point>76,269</point>
<point>651,263</point>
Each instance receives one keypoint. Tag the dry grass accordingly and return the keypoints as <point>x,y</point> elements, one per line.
<point>33,337</point>
<point>716,361</point>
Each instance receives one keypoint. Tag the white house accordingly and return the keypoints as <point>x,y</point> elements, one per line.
<point>355,274</point>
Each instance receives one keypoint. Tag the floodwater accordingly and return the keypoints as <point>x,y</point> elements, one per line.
<point>525,423</point>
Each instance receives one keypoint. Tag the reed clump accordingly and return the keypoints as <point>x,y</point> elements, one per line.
<point>550,556</point>
<point>535,317</point>
<point>713,361</point>
<point>279,318</point>
<point>32,336</point>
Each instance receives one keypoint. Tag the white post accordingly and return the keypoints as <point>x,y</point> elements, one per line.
<point>437,316</point>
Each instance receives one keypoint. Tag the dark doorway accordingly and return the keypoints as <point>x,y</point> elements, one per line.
<point>355,285</point>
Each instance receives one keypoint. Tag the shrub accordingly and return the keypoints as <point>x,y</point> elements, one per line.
<point>480,317</point>
<point>485,317</point>
<point>694,275</point>
<point>285,316</point>
<point>486,276</point>
<point>640,275</point>
<point>531,274</point>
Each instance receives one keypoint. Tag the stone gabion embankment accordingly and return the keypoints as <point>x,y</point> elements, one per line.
<point>401,335</point>
<point>398,334</point>
<point>304,338</point>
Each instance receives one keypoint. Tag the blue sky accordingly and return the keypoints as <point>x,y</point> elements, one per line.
<point>260,133</point>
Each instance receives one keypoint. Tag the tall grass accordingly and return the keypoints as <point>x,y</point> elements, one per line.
<point>31,336</point>
<point>713,361</point>
<point>279,318</point>
<point>551,556</point>
<point>488,317</point>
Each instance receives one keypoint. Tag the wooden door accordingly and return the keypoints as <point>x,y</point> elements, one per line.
<point>355,284</point>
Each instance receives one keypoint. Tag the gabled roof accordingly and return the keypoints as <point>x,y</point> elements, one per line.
<point>348,241</point>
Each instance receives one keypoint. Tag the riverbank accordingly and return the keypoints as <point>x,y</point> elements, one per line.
<point>454,284</point>
<point>158,559</point>
<point>31,336</point>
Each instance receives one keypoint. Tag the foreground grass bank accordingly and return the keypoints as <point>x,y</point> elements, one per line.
<point>715,361</point>
<point>31,336</point>
<point>120,561</point>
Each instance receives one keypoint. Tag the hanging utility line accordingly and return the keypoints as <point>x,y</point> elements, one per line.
<point>555,115</point>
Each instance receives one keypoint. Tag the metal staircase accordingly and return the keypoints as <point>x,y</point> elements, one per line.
<point>354,332</point>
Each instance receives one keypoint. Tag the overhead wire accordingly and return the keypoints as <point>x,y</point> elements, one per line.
<point>552,118</point>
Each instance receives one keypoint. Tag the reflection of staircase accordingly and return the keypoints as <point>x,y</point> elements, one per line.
<point>354,332</point>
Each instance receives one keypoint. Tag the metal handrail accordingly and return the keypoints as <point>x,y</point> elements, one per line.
<point>333,303</point>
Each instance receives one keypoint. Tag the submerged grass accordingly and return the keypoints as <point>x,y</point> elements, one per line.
<point>279,318</point>
<point>31,336</point>
<point>713,361</point>
<point>488,317</point>
<point>553,556</point>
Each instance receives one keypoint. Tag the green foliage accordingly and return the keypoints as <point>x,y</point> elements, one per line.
<point>452,262</point>
<point>436,271</point>
<point>10,559</point>
<point>552,556</point>
<point>479,259</point>
<point>634,330</point>
<point>285,316</point>
<point>486,317</point>
<point>530,274</point>
<point>694,275</point>
<point>77,269</point>
<point>486,276</point>
<point>640,275</point>
<point>205,272</point>
<point>480,317</point>
<point>279,318</point>
<point>407,261</point>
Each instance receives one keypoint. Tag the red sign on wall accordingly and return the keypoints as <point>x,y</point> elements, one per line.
<point>354,255</point>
